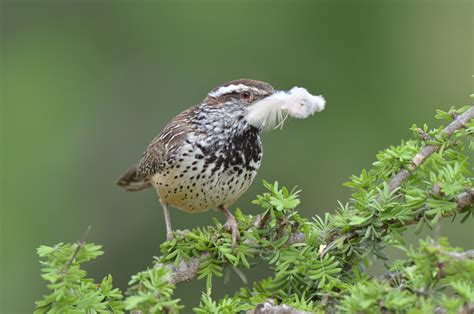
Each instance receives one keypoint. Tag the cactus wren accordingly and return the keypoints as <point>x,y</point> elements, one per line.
<point>208,155</point>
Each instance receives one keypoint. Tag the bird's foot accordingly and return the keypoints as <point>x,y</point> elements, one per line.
<point>231,225</point>
<point>169,236</point>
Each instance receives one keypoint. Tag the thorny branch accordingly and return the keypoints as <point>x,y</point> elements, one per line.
<point>458,123</point>
<point>464,199</point>
<point>461,255</point>
<point>269,307</point>
<point>188,270</point>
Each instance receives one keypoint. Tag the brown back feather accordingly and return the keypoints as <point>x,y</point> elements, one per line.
<point>158,152</point>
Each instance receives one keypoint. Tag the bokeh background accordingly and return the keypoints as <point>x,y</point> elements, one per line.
<point>85,85</point>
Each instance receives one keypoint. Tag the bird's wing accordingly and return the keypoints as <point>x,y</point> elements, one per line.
<point>163,147</point>
<point>159,152</point>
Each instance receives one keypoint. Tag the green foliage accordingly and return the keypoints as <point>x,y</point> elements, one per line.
<point>215,246</point>
<point>374,296</point>
<point>225,306</point>
<point>319,264</point>
<point>151,292</point>
<point>71,291</point>
<point>277,201</point>
<point>429,278</point>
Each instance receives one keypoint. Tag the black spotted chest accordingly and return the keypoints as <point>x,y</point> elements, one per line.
<point>239,154</point>
<point>205,177</point>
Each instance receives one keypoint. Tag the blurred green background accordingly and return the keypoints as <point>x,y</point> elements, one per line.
<point>85,85</point>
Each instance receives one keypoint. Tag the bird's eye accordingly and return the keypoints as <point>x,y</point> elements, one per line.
<point>245,95</point>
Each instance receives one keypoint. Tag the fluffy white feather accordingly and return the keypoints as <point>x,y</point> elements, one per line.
<point>272,111</point>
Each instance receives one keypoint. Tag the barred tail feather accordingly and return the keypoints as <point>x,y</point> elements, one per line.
<point>132,181</point>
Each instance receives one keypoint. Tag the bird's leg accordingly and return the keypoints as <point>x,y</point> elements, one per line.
<point>169,231</point>
<point>231,225</point>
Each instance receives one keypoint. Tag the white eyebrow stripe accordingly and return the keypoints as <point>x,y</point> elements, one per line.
<point>233,89</point>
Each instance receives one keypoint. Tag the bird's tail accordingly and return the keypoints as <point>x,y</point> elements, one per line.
<point>133,181</point>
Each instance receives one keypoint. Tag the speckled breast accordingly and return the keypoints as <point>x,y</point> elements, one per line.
<point>205,175</point>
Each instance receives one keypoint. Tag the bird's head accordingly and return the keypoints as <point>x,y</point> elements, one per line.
<point>244,92</point>
<point>261,105</point>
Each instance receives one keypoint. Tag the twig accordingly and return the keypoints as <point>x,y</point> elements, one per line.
<point>269,307</point>
<point>80,243</point>
<point>187,270</point>
<point>464,200</point>
<point>458,123</point>
<point>460,255</point>
<point>423,135</point>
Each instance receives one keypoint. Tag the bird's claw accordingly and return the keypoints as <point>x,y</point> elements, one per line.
<point>231,225</point>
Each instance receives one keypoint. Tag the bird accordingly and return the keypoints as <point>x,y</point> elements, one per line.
<point>209,154</point>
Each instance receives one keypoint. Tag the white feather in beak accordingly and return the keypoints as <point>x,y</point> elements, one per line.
<point>272,111</point>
